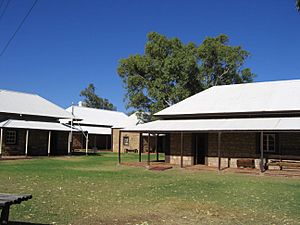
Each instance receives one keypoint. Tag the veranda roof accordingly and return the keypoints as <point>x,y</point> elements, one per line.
<point>34,125</point>
<point>217,125</point>
<point>94,129</point>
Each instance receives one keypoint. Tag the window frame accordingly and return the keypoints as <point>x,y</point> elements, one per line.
<point>126,141</point>
<point>266,137</point>
<point>8,136</point>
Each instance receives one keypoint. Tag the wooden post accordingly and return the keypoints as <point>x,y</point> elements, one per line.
<point>219,151</point>
<point>86,143</point>
<point>69,142</point>
<point>141,147</point>
<point>26,142</point>
<point>119,150</point>
<point>148,149</point>
<point>1,140</point>
<point>181,150</point>
<point>262,169</point>
<point>196,151</point>
<point>49,143</point>
<point>156,147</point>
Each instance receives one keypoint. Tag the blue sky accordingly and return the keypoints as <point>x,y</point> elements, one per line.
<point>66,44</point>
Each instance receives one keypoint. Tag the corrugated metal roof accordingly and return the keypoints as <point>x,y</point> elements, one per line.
<point>243,124</point>
<point>131,120</point>
<point>241,98</point>
<point>94,130</point>
<point>97,116</point>
<point>29,104</point>
<point>34,125</point>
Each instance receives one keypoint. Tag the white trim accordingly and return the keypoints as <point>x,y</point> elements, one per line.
<point>49,143</point>
<point>26,142</point>
<point>1,140</point>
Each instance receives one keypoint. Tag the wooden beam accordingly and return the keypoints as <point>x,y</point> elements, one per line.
<point>219,150</point>
<point>86,143</point>
<point>141,147</point>
<point>1,140</point>
<point>156,147</point>
<point>148,149</point>
<point>26,142</point>
<point>181,150</point>
<point>119,149</point>
<point>262,169</point>
<point>49,143</point>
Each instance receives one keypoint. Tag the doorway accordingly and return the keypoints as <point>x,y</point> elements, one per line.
<point>200,141</point>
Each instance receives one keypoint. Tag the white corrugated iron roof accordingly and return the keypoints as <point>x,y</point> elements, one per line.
<point>34,125</point>
<point>241,98</point>
<point>29,104</point>
<point>243,124</point>
<point>131,120</point>
<point>94,130</point>
<point>97,116</point>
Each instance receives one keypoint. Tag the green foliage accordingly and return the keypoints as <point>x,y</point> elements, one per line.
<point>92,100</point>
<point>298,5</point>
<point>170,71</point>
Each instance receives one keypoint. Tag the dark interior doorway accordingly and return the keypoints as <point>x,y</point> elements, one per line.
<point>200,141</point>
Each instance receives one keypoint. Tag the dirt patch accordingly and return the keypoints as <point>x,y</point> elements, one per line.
<point>160,168</point>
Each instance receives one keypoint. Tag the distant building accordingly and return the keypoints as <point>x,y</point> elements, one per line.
<point>94,125</point>
<point>29,125</point>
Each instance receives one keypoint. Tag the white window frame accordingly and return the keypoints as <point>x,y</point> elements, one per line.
<point>126,143</point>
<point>11,137</point>
<point>267,146</point>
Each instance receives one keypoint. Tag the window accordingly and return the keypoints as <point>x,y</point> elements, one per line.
<point>11,137</point>
<point>126,141</point>
<point>269,142</point>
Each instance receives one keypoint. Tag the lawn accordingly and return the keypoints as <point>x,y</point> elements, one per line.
<point>95,190</point>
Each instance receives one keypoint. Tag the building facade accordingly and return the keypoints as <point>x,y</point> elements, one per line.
<point>29,125</point>
<point>243,125</point>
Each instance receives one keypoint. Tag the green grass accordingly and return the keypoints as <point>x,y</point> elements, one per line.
<point>95,190</point>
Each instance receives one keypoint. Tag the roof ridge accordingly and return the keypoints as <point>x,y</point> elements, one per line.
<point>18,92</point>
<point>259,82</point>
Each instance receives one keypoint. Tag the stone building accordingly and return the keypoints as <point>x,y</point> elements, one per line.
<point>227,125</point>
<point>29,125</point>
<point>93,127</point>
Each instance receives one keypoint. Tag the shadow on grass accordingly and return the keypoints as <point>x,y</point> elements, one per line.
<point>24,223</point>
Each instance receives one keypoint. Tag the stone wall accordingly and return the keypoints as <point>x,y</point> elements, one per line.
<point>59,144</point>
<point>134,140</point>
<point>289,144</point>
<point>38,142</point>
<point>233,145</point>
<point>175,149</point>
<point>16,149</point>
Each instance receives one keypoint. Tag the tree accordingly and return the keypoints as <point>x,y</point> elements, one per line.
<point>170,71</point>
<point>298,5</point>
<point>92,100</point>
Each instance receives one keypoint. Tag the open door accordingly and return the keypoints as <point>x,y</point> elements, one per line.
<point>200,147</point>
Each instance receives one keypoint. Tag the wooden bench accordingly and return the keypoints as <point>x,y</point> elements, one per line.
<point>127,150</point>
<point>6,200</point>
<point>285,164</point>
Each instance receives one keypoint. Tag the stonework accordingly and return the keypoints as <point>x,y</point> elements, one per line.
<point>16,149</point>
<point>233,145</point>
<point>134,140</point>
<point>187,160</point>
